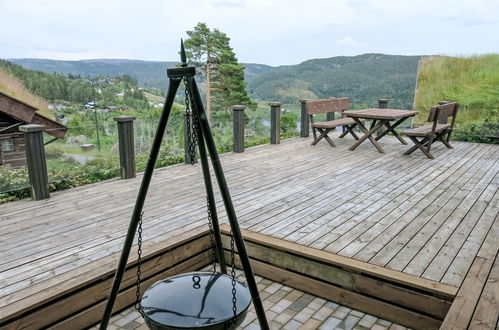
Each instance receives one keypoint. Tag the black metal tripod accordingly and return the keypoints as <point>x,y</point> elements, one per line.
<point>176,76</point>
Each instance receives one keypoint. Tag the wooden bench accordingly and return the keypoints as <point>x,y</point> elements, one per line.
<point>476,305</point>
<point>435,131</point>
<point>331,105</point>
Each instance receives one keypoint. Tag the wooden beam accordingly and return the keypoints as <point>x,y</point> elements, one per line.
<point>446,291</point>
<point>127,297</point>
<point>16,108</point>
<point>463,307</point>
<point>96,289</point>
<point>360,302</point>
<point>351,281</point>
<point>52,127</point>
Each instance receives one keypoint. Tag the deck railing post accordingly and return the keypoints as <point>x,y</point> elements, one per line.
<point>382,104</point>
<point>126,143</point>
<point>188,130</point>
<point>238,128</point>
<point>275,122</point>
<point>305,120</point>
<point>35,156</point>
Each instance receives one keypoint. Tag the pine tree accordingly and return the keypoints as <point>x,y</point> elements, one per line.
<point>224,76</point>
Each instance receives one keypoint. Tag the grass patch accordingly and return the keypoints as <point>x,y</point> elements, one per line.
<point>471,81</point>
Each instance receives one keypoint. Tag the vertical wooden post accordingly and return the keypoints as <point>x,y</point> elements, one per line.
<point>37,165</point>
<point>126,142</point>
<point>275,122</point>
<point>305,120</point>
<point>238,128</point>
<point>330,115</point>
<point>187,129</point>
<point>383,103</point>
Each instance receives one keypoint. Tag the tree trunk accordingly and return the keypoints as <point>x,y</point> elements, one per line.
<point>208,87</point>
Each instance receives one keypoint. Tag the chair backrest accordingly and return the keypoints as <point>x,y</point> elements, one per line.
<point>442,112</point>
<point>339,104</point>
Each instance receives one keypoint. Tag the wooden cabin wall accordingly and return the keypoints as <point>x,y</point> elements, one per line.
<point>17,157</point>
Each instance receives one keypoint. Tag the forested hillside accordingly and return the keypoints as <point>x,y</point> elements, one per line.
<point>50,86</point>
<point>56,87</point>
<point>363,78</point>
<point>147,73</point>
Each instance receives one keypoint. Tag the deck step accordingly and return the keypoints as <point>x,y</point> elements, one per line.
<point>395,296</point>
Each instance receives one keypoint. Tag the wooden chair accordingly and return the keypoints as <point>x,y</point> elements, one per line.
<point>439,130</point>
<point>316,107</point>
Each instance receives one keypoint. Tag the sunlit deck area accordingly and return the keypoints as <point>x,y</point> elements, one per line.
<point>423,221</point>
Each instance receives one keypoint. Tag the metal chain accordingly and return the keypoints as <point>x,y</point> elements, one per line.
<point>191,125</point>
<point>139,264</point>
<point>233,275</point>
<point>195,127</point>
<point>212,241</point>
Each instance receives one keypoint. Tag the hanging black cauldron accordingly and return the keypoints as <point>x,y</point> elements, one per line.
<point>199,300</point>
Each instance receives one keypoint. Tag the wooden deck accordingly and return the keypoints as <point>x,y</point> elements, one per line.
<point>428,218</point>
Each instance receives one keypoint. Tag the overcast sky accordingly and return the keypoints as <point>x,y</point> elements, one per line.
<point>274,32</point>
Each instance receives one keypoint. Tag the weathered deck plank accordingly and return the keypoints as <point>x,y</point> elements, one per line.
<point>486,314</point>
<point>438,220</point>
<point>381,221</point>
<point>450,237</point>
<point>396,201</point>
<point>423,217</point>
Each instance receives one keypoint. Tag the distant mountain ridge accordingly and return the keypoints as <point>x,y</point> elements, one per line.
<point>117,60</point>
<point>146,72</point>
<point>363,78</point>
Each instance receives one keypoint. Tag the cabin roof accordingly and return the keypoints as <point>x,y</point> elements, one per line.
<point>26,113</point>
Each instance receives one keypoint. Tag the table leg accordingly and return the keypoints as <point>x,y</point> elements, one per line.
<point>367,135</point>
<point>391,128</point>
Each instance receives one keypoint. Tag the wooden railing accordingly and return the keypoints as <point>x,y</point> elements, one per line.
<point>35,149</point>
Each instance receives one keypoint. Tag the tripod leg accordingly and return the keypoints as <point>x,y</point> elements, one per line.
<point>211,204</point>
<point>229,207</point>
<point>139,203</point>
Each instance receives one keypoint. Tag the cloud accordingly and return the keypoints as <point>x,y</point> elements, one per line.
<point>349,41</point>
<point>264,31</point>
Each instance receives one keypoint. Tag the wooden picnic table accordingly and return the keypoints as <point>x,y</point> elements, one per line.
<point>379,118</point>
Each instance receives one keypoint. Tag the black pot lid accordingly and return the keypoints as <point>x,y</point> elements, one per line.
<point>194,300</point>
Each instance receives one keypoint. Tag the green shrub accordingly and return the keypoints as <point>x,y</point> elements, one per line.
<point>53,152</point>
<point>483,131</point>
<point>164,159</point>
<point>12,179</point>
<point>14,184</point>
<point>288,123</point>
<point>255,141</point>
